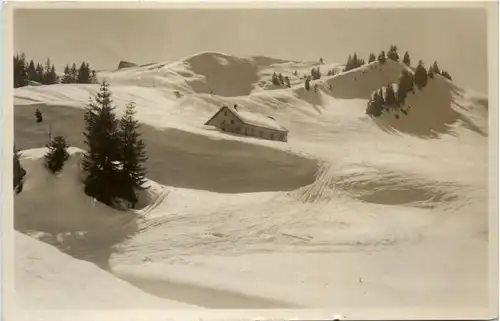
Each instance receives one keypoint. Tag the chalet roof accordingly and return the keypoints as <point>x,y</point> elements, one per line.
<point>255,119</point>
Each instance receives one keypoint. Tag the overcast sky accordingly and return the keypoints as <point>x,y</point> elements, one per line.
<point>456,38</point>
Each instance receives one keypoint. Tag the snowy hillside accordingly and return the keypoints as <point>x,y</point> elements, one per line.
<point>44,277</point>
<point>352,211</point>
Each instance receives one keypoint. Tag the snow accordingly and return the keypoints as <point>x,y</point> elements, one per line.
<point>45,278</point>
<point>256,119</point>
<point>395,219</point>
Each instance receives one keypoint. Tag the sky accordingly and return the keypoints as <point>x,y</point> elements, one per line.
<point>454,37</point>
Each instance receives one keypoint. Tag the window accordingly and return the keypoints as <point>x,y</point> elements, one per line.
<point>232,121</point>
<point>225,113</point>
<point>223,122</point>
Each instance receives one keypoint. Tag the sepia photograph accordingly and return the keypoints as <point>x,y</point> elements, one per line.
<point>253,158</point>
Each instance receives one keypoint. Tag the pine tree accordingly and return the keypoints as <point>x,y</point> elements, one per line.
<point>381,57</point>
<point>390,97</point>
<point>84,73</point>
<point>280,78</point>
<point>430,73</point>
<point>66,79</point>
<point>275,80</point>
<point>53,78</point>
<point>420,75</point>
<point>101,160</point>
<point>287,82</point>
<point>308,83</point>
<point>57,154</point>
<point>133,156</point>
<point>406,59</point>
<point>93,78</point>
<point>446,74</point>
<point>403,90</point>
<point>46,79</point>
<point>348,65</point>
<point>20,71</point>
<point>355,61</point>
<point>19,172</point>
<point>74,74</point>
<point>393,53</point>
<point>371,58</point>
<point>435,68</point>
<point>321,60</point>
<point>32,75</point>
<point>38,116</point>
<point>315,73</point>
<point>405,85</point>
<point>39,73</point>
<point>375,105</point>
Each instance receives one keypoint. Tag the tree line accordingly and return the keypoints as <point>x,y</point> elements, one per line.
<point>420,78</point>
<point>114,159</point>
<point>30,72</point>
<point>390,99</point>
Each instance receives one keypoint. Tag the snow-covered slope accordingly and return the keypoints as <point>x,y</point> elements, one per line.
<point>45,278</point>
<point>392,212</point>
<point>207,72</point>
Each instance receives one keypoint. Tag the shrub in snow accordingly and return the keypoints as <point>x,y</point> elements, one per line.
<point>19,172</point>
<point>57,154</point>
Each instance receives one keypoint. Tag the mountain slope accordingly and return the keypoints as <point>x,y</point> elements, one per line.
<point>393,194</point>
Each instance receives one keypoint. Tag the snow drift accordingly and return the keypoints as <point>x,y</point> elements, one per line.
<point>45,278</point>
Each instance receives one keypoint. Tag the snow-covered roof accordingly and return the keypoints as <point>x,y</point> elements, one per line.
<point>255,119</point>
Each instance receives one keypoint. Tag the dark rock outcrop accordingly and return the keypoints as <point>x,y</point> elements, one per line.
<point>126,64</point>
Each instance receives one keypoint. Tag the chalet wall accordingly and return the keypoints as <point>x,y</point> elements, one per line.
<point>228,122</point>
